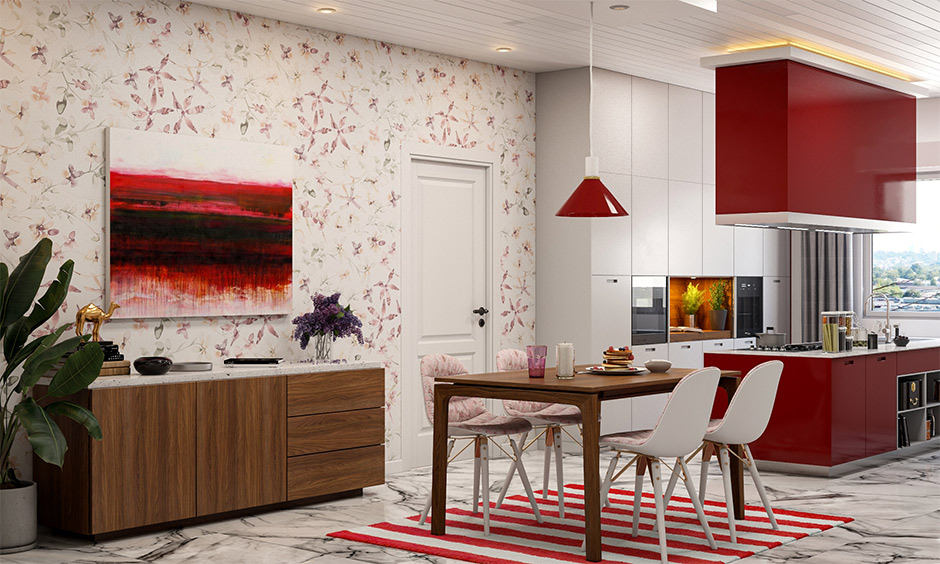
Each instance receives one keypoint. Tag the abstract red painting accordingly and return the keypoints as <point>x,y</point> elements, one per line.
<point>198,226</point>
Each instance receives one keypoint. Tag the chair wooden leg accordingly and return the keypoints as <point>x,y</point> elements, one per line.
<point>517,450</point>
<point>703,477</point>
<point>427,506</point>
<point>549,437</point>
<point>605,487</point>
<point>724,459</point>
<point>510,474</point>
<point>657,479</point>
<point>638,492</point>
<point>672,485</point>
<point>485,472</point>
<point>559,472</point>
<point>696,503</point>
<point>760,488</point>
<point>476,474</point>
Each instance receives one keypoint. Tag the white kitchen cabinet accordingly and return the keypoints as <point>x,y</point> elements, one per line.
<point>685,228</point>
<point>687,355</point>
<point>708,138</point>
<point>610,236</point>
<point>647,409</point>
<point>748,250</point>
<point>612,122</point>
<point>776,252</point>
<point>685,134</point>
<point>745,343</point>
<point>777,304</point>
<point>610,317</point>
<point>717,240</point>
<point>643,353</point>
<point>718,345</point>
<point>650,128</point>
<point>650,216</point>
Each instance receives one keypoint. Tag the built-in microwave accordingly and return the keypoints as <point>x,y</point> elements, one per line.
<point>650,310</point>
<point>749,305</point>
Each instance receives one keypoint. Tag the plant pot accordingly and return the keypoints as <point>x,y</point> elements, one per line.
<point>718,318</point>
<point>18,519</point>
<point>690,320</point>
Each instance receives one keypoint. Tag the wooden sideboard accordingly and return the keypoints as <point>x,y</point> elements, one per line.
<point>173,452</point>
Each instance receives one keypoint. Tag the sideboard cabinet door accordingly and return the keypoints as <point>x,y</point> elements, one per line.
<point>241,434</point>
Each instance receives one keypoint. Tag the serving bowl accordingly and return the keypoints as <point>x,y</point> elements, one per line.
<point>658,365</point>
<point>901,341</point>
<point>153,365</point>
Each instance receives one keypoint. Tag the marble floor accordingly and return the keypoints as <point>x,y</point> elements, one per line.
<point>896,507</point>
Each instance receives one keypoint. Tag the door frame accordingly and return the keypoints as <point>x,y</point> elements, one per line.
<point>412,395</point>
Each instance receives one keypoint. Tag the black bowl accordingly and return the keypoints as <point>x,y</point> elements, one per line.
<point>901,341</point>
<point>153,365</point>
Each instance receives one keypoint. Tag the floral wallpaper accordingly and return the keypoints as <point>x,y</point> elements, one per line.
<point>70,68</point>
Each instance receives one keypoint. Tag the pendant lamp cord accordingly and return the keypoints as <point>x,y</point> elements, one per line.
<point>591,85</point>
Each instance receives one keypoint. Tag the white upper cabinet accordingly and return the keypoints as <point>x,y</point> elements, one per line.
<point>776,252</point>
<point>610,236</point>
<point>717,240</point>
<point>612,123</point>
<point>708,139</point>
<point>748,250</point>
<point>685,228</point>
<point>685,134</point>
<point>650,215</point>
<point>610,316</point>
<point>650,127</point>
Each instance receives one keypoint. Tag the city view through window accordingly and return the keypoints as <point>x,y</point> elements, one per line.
<point>906,266</point>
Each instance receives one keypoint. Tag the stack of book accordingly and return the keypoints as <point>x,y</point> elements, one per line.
<point>904,438</point>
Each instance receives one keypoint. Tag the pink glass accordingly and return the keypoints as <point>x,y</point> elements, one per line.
<point>536,356</point>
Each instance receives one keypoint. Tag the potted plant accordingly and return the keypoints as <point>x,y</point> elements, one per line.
<point>25,362</point>
<point>327,322</point>
<point>718,299</point>
<point>692,300</point>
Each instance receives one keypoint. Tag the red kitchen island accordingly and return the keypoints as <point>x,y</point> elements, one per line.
<point>834,409</point>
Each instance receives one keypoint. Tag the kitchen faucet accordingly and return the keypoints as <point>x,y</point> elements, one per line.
<point>887,328</point>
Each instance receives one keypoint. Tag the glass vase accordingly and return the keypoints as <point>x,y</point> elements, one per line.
<point>322,348</point>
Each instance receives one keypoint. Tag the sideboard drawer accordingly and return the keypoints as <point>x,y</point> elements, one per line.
<point>332,472</point>
<point>328,392</point>
<point>311,434</point>
<point>923,360</point>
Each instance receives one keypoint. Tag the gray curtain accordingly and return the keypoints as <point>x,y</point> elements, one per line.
<point>827,278</point>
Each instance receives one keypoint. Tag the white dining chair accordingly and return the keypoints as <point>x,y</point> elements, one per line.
<point>744,422</point>
<point>549,417</point>
<point>679,431</point>
<point>468,418</point>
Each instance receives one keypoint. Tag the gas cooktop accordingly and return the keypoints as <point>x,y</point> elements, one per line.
<point>794,347</point>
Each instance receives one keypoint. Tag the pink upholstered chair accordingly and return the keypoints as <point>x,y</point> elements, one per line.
<point>469,419</point>
<point>550,417</point>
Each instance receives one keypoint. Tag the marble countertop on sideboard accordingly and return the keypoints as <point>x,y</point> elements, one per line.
<point>223,372</point>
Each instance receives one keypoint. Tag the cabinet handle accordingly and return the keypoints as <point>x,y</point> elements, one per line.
<point>685,346</point>
<point>719,344</point>
<point>612,280</point>
<point>777,281</point>
<point>848,362</point>
<point>881,358</point>
<point>650,349</point>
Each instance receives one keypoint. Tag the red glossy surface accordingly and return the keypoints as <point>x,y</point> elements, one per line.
<point>848,409</point>
<point>591,199</point>
<point>881,383</point>
<point>923,360</point>
<point>790,137</point>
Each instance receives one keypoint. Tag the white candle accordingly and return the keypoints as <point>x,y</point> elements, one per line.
<point>564,352</point>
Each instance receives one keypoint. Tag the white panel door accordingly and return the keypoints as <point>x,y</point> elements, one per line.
<point>687,355</point>
<point>650,216</point>
<point>685,134</point>
<point>776,252</point>
<point>717,345</point>
<point>745,343</point>
<point>449,266</point>
<point>748,251</point>
<point>610,236</point>
<point>610,327</point>
<point>777,304</point>
<point>717,240</point>
<point>650,129</point>
<point>708,139</point>
<point>647,409</point>
<point>685,228</point>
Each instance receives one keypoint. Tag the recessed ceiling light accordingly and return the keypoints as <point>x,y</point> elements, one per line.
<point>503,49</point>
<point>620,7</point>
<point>326,10</point>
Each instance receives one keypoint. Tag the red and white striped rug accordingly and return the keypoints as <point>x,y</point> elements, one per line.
<point>515,536</point>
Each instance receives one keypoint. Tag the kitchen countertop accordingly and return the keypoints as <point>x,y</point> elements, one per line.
<point>224,372</point>
<point>858,351</point>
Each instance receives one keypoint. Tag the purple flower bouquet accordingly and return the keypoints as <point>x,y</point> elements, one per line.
<point>327,322</point>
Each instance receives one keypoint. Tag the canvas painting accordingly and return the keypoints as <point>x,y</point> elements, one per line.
<point>198,226</point>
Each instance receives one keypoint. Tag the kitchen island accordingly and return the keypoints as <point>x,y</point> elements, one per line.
<point>836,409</point>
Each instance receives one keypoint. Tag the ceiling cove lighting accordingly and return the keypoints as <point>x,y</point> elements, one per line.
<point>591,198</point>
<point>326,10</point>
<point>830,54</point>
<point>503,49</point>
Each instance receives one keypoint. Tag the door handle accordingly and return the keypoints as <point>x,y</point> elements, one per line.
<point>481,311</point>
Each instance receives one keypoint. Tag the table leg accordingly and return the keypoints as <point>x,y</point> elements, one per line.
<point>730,386</point>
<point>439,462</point>
<point>590,416</point>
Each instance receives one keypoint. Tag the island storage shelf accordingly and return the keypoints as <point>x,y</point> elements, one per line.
<point>199,447</point>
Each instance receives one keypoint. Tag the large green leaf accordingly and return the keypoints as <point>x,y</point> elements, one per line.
<point>77,413</point>
<point>79,370</point>
<point>23,283</point>
<point>36,347</point>
<point>20,330</point>
<point>44,435</point>
<point>42,361</point>
<point>24,353</point>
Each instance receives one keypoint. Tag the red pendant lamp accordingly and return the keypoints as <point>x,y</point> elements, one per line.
<point>591,198</point>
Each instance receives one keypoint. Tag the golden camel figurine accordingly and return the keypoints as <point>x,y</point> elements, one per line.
<point>96,315</point>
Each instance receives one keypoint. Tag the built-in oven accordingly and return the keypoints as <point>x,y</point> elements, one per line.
<point>650,310</point>
<point>749,305</point>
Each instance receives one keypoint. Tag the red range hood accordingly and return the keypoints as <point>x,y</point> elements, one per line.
<point>799,147</point>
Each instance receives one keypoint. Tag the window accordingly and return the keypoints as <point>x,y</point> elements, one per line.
<point>906,266</point>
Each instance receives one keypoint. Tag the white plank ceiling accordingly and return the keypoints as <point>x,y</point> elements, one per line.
<point>657,39</point>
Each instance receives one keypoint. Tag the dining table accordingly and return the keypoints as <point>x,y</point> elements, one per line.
<point>586,391</point>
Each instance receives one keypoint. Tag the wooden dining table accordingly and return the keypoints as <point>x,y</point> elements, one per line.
<point>586,391</point>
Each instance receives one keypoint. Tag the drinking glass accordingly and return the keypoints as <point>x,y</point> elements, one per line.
<point>536,355</point>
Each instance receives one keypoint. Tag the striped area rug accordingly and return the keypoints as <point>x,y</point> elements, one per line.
<point>515,536</point>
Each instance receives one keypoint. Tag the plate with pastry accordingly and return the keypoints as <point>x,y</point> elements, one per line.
<point>612,370</point>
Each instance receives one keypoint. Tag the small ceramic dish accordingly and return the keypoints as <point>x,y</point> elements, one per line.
<point>658,365</point>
